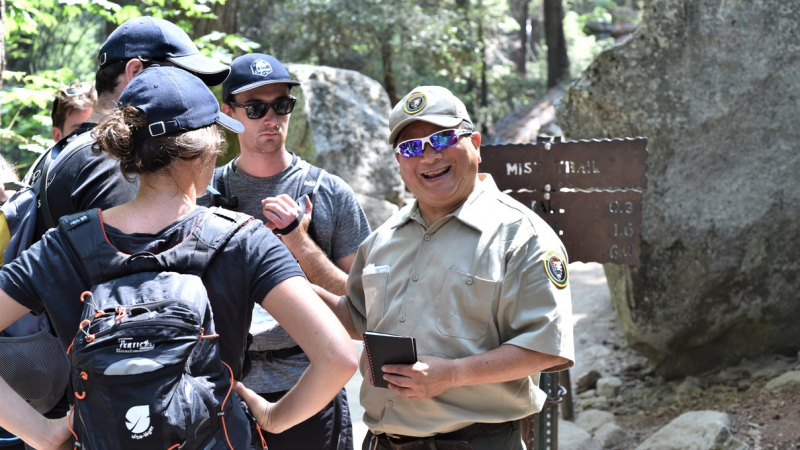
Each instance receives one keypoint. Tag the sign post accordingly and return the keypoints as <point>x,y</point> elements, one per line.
<point>590,193</point>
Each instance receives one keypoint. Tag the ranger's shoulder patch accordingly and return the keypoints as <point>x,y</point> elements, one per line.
<point>556,268</point>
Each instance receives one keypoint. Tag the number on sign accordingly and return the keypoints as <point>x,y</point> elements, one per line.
<point>626,231</point>
<point>617,252</point>
<point>615,207</point>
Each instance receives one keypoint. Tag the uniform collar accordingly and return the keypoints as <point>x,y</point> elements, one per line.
<point>474,211</point>
<point>471,213</point>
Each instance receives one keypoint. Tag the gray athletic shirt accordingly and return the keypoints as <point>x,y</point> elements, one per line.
<point>338,226</point>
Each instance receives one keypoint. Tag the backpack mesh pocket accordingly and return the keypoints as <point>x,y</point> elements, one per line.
<point>41,382</point>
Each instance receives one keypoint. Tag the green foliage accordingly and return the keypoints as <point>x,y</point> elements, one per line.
<point>582,49</point>
<point>404,43</point>
<point>401,43</point>
<point>50,42</point>
<point>221,46</point>
<point>24,109</point>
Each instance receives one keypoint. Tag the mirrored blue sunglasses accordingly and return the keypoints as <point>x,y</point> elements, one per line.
<point>439,141</point>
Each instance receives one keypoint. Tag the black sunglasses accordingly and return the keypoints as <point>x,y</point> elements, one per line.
<point>281,106</point>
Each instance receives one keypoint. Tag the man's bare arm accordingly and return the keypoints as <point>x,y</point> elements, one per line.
<point>280,212</point>
<point>315,264</point>
<point>431,376</point>
<point>338,304</point>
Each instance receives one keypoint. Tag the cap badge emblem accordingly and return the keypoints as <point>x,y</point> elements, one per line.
<point>415,103</point>
<point>556,269</point>
<point>261,67</point>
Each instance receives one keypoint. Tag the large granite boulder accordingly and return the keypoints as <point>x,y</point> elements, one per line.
<point>695,430</point>
<point>341,123</point>
<point>715,86</point>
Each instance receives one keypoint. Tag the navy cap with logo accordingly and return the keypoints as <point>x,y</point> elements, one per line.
<point>174,100</point>
<point>158,39</point>
<point>254,70</point>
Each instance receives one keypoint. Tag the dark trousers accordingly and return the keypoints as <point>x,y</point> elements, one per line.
<point>329,429</point>
<point>506,438</point>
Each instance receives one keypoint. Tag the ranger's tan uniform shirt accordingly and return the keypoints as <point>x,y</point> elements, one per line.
<point>469,283</point>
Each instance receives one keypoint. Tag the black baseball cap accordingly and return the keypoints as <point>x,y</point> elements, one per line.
<point>158,39</point>
<point>254,70</point>
<point>174,100</point>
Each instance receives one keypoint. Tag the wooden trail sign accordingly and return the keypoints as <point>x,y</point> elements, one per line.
<point>589,192</point>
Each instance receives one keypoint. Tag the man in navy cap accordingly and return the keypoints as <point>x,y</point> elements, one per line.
<point>84,179</point>
<point>87,180</point>
<point>322,230</point>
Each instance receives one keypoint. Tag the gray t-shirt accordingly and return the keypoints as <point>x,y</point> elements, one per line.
<point>338,226</point>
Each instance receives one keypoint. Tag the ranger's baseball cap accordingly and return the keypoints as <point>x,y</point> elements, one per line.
<point>433,104</point>
<point>174,100</point>
<point>157,39</point>
<point>254,70</point>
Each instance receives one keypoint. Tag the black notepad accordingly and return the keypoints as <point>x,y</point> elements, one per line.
<point>384,348</point>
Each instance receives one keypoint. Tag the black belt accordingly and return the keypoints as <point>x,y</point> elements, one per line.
<point>272,355</point>
<point>466,433</point>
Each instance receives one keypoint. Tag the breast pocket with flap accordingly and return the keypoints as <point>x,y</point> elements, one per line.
<point>464,307</point>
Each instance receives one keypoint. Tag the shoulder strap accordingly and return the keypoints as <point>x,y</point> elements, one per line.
<point>306,168</point>
<point>311,180</point>
<point>57,153</point>
<point>34,173</point>
<point>226,171</point>
<point>41,194</point>
<point>103,262</point>
<point>220,188</point>
<point>309,185</point>
<point>219,225</point>
<point>85,235</point>
<point>214,230</point>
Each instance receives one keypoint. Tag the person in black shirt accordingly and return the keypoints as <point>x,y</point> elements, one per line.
<point>166,134</point>
<point>86,179</point>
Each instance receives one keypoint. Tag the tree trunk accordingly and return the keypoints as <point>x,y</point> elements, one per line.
<point>225,22</point>
<point>320,42</point>
<point>536,37</point>
<point>484,83</point>
<point>557,60</point>
<point>388,74</point>
<point>519,10</point>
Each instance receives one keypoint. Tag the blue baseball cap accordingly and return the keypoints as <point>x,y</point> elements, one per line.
<point>254,70</point>
<point>157,39</point>
<point>174,100</point>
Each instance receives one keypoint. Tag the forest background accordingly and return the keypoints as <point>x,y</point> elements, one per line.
<point>497,55</point>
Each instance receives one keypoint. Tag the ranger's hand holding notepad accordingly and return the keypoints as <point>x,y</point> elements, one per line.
<point>384,348</point>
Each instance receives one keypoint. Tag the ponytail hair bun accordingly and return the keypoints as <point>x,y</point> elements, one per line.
<point>139,153</point>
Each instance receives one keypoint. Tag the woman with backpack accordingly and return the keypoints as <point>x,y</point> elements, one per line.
<point>126,289</point>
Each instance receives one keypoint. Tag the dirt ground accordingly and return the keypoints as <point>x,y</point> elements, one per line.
<point>764,419</point>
